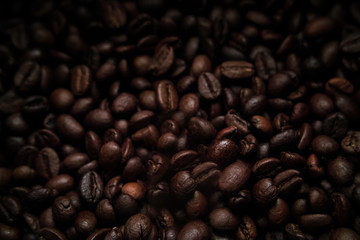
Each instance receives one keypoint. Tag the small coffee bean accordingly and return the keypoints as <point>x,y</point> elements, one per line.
<point>324,145</point>
<point>223,219</point>
<point>85,223</point>
<point>237,69</point>
<point>351,143</point>
<point>47,163</point>
<point>279,213</point>
<point>69,127</point>
<point>167,96</point>
<point>196,229</point>
<point>80,80</point>
<point>182,184</point>
<point>340,170</point>
<point>222,151</point>
<point>265,192</point>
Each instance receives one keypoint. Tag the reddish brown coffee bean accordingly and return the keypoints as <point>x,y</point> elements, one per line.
<point>110,155</point>
<point>222,151</point>
<point>237,69</point>
<point>200,64</point>
<point>265,192</point>
<point>223,219</point>
<point>319,26</point>
<point>47,163</point>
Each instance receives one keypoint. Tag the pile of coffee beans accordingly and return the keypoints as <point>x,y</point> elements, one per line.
<point>181,119</point>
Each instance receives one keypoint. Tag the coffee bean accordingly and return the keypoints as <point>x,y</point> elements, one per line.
<point>319,26</point>
<point>109,155</point>
<point>209,86</point>
<point>47,163</point>
<point>315,221</point>
<point>200,64</point>
<point>344,233</point>
<point>237,69</point>
<point>50,234</point>
<point>265,192</point>
<point>205,174</point>
<point>28,76</point>
<point>232,118</point>
<point>98,120</point>
<point>351,43</point>
<point>167,96</point>
<point>223,219</point>
<point>234,177</point>
<point>324,145</point>
<point>196,229</point>
<point>341,208</point>
<point>91,187</point>
<point>182,184</point>
<point>61,183</point>
<point>162,60</point>
<point>340,170</point>
<point>279,213</point>
<point>222,151</point>
<point>200,130</point>
<point>266,167</point>
<point>69,127</point>
<point>80,80</point>
<point>350,143</point>
<point>85,223</point>
<point>339,84</point>
<point>335,125</point>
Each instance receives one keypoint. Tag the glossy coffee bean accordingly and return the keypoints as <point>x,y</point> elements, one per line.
<point>223,219</point>
<point>234,177</point>
<point>91,187</point>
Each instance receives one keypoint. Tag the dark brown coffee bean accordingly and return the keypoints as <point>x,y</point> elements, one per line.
<point>61,183</point>
<point>166,95</point>
<point>63,210</point>
<point>205,174</point>
<point>196,229</point>
<point>340,85</point>
<point>319,26</point>
<point>343,233</point>
<point>340,170</point>
<point>280,84</point>
<point>189,104</point>
<point>47,163</point>
<point>80,80</point>
<point>200,64</point>
<point>266,167</point>
<point>305,136</point>
<point>347,106</point>
<point>35,106</point>
<point>237,69</point>
<point>92,144</point>
<point>351,43</point>
<point>222,151</point>
<point>51,234</point>
<point>184,160</point>
<point>163,60</point>
<point>294,232</point>
<point>286,138</point>
<point>288,181</point>
<point>255,105</point>
<point>91,187</point>
<point>69,127</point>
<point>265,192</point>
<point>292,160</point>
<point>98,120</point>
<point>28,76</point>
<point>209,86</point>
<point>141,119</point>
<point>315,221</point>
<point>10,209</point>
<point>341,209</point>
<point>46,138</point>
<point>196,206</point>
<point>148,135</point>
<point>125,205</point>
<point>279,213</point>
<point>234,177</point>
<point>223,219</point>
<point>321,105</point>
<point>138,226</point>
<point>324,145</point>
<point>110,155</point>
<point>262,124</point>
<point>232,118</point>
<point>265,65</point>
<point>200,130</point>
<point>335,125</point>
<point>182,184</point>
<point>318,200</point>
<point>351,143</point>
<point>124,104</point>
<point>85,223</point>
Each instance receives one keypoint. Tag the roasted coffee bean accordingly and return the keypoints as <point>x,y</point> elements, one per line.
<point>324,145</point>
<point>109,155</point>
<point>47,163</point>
<point>125,103</point>
<point>344,233</point>
<point>91,187</point>
<point>163,60</point>
<point>223,219</point>
<point>69,127</point>
<point>10,209</point>
<point>196,229</point>
<point>209,86</point>
<point>28,76</point>
<point>288,181</point>
<point>315,221</point>
<point>286,138</point>
<point>294,232</point>
<point>182,184</point>
<point>234,177</point>
<point>35,106</point>
<point>61,183</point>
<point>200,130</point>
<point>80,80</point>
<point>232,118</point>
<point>62,209</point>
<point>222,151</point>
<point>51,233</point>
<point>138,226</point>
<point>341,208</point>
<point>237,69</point>
<point>266,167</point>
<point>350,43</point>
<point>98,120</point>
<point>351,143</point>
<point>265,192</point>
<point>200,64</point>
<point>205,174</point>
<point>335,125</point>
<point>319,26</point>
<point>340,170</point>
<point>279,213</point>
<point>85,223</point>
<point>166,95</point>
